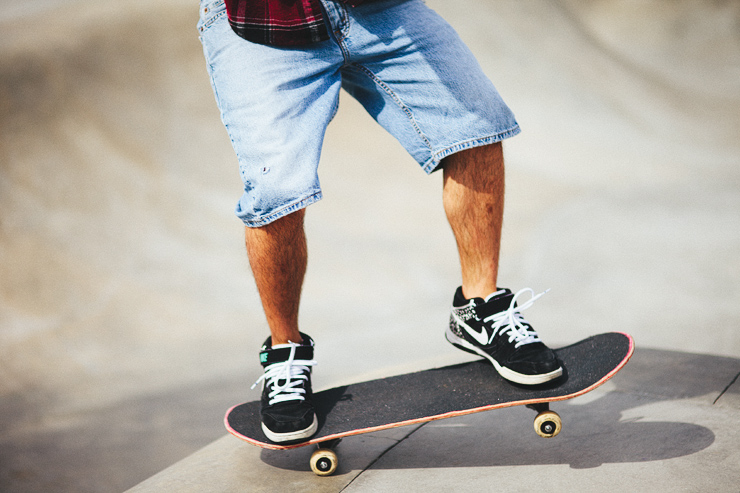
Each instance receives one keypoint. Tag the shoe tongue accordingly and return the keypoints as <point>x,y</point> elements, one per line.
<point>493,303</point>
<point>281,352</point>
<point>496,294</point>
<point>281,346</point>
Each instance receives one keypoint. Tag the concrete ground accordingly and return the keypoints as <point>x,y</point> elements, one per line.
<point>129,321</point>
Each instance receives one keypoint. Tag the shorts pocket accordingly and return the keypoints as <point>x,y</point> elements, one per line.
<point>210,12</point>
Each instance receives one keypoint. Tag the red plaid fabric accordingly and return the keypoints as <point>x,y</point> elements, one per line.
<point>280,22</point>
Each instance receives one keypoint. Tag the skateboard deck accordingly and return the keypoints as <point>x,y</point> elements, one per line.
<point>440,393</point>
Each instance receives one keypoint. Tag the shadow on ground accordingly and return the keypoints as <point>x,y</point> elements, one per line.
<point>595,431</point>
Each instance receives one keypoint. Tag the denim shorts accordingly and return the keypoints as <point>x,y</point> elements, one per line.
<point>398,58</point>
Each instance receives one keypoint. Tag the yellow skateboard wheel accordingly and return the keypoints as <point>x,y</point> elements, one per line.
<point>547,424</point>
<point>324,462</point>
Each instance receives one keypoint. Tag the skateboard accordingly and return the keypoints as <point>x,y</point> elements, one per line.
<point>439,393</point>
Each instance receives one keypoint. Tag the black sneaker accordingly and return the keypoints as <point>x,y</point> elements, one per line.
<point>495,329</point>
<point>287,411</point>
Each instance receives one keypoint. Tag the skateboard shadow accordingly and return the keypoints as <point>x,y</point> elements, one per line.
<point>331,399</point>
<point>602,428</point>
<point>593,434</point>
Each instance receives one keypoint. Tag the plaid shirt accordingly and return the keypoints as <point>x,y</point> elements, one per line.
<point>280,22</point>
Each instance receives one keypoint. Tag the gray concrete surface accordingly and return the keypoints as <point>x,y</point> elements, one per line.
<point>127,309</point>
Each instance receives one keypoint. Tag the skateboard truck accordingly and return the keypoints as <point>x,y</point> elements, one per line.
<point>547,424</point>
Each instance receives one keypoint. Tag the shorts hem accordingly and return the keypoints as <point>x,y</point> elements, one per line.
<point>432,164</point>
<point>288,209</point>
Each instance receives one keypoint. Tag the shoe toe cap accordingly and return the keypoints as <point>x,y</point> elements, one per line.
<point>534,361</point>
<point>288,419</point>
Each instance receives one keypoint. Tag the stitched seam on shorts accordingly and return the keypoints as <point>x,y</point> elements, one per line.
<point>396,100</point>
<point>285,210</point>
<point>344,30</point>
<point>208,23</point>
<point>436,157</point>
<point>217,96</point>
<point>340,34</point>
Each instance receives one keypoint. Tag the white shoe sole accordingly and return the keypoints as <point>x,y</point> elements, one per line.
<point>507,373</point>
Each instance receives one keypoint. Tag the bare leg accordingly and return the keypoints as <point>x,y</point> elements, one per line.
<point>278,257</point>
<point>473,199</point>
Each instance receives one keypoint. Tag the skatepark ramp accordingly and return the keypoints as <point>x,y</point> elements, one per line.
<point>126,307</point>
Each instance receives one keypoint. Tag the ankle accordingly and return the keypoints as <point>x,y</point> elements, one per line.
<point>286,337</point>
<point>483,290</point>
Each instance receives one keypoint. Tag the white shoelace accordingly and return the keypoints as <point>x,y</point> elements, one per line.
<point>293,372</point>
<point>510,321</point>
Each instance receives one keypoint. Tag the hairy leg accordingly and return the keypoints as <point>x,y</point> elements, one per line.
<point>278,257</point>
<point>473,198</point>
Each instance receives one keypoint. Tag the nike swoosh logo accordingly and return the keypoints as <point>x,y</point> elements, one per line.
<point>481,337</point>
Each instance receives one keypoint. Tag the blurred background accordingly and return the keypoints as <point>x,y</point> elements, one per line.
<point>128,317</point>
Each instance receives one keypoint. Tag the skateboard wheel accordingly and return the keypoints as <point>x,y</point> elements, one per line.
<point>547,424</point>
<point>324,462</point>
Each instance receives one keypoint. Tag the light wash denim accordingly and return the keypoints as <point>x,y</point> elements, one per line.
<point>398,58</point>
